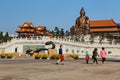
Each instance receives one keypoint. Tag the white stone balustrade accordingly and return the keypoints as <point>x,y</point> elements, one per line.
<point>67,44</point>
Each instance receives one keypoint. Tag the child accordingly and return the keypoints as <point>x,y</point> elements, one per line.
<point>87,57</point>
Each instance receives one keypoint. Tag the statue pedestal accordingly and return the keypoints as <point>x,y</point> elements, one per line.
<point>52,51</point>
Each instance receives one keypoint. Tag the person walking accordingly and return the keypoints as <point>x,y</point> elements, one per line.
<point>87,57</point>
<point>16,49</point>
<point>94,56</point>
<point>61,58</point>
<point>103,54</point>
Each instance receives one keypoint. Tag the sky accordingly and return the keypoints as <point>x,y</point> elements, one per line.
<point>51,13</point>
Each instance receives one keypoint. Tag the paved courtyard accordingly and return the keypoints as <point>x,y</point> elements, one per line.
<point>30,69</point>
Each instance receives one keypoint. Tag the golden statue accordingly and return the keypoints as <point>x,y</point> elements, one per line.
<point>82,24</point>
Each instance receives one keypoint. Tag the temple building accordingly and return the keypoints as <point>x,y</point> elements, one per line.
<point>104,26</point>
<point>42,31</point>
<point>85,26</point>
<point>29,30</point>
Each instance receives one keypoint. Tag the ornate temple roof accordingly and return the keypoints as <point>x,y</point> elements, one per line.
<point>104,30</point>
<point>25,31</point>
<point>102,23</point>
<point>39,28</point>
<point>103,26</point>
<point>27,25</point>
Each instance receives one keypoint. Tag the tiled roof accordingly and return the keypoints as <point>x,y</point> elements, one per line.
<point>104,29</point>
<point>40,28</point>
<point>27,25</point>
<point>25,30</point>
<point>102,23</point>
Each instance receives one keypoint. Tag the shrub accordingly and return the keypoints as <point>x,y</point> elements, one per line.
<point>74,56</point>
<point>54,56</point>
<point>9,55</point>
<point>3,55</point>
<point>44,56</point>
<point>16,54</point>
<point>67,55</point>
<point>37,56</point>
<point>35,53</point>
<point>57,56</point>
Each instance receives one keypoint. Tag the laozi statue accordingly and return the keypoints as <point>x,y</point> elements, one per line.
<point>82,24</point>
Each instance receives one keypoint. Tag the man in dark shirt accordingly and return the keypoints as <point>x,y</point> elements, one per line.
<point>60,50</point>
<point>61,56</point>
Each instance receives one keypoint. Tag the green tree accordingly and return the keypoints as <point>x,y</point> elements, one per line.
<point>4,38</point>
<point>1,37</point>
<point>62,32</point>
<point>67,33</point>
<point>53,33</point>
<point>57,31</point>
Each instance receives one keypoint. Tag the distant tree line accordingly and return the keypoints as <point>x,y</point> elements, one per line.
<point>59,32</point>
<point>4,37</point>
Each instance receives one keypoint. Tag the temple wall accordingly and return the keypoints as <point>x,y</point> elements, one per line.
<point>69,46</point>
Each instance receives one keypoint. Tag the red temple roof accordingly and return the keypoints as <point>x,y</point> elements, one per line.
<point>27,25</point>
<point>102,23</point>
